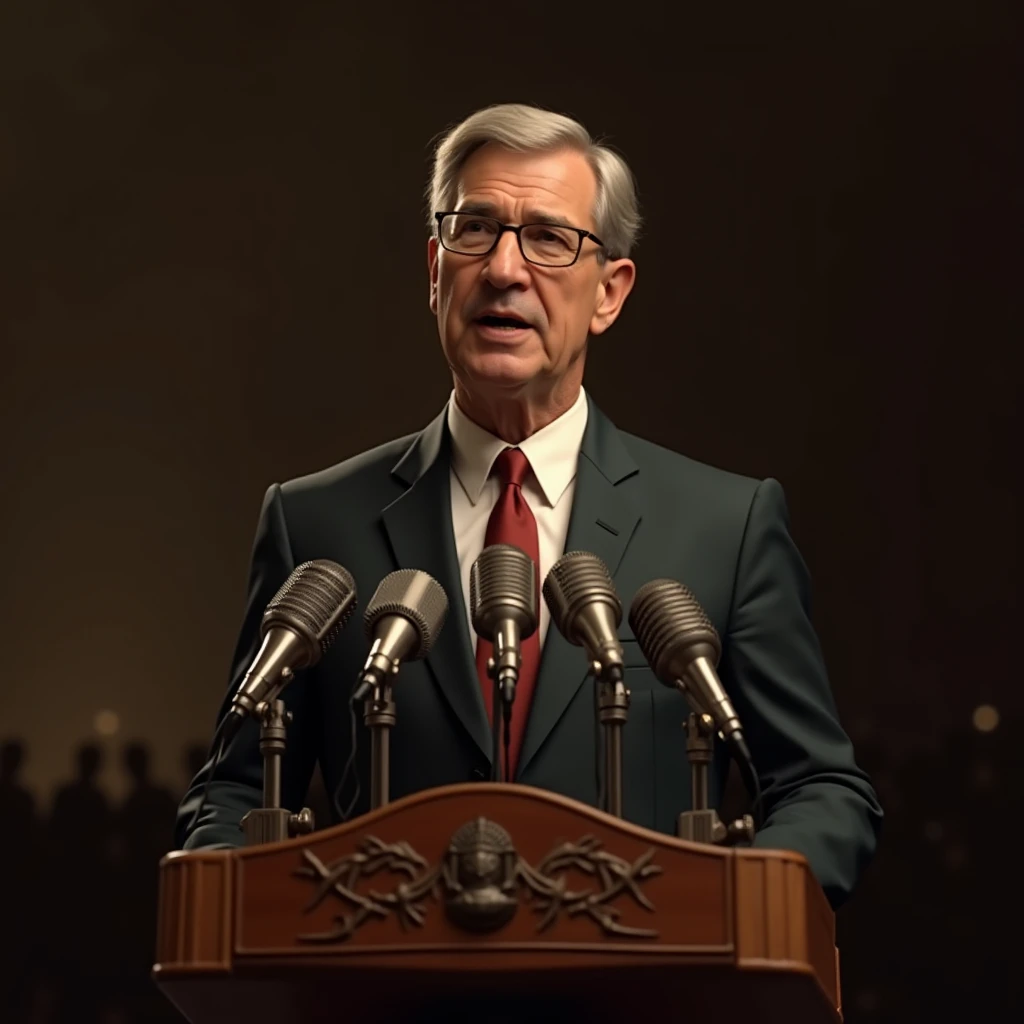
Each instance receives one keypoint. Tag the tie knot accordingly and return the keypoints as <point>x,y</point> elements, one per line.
<point>512,466</point>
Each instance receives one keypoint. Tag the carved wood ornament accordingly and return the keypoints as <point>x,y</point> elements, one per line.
<point>480,882</point>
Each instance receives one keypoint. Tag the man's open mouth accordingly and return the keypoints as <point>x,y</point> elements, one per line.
<point>508,322</point>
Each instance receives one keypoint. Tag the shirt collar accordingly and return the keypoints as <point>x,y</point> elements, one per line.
<point>553,451</point>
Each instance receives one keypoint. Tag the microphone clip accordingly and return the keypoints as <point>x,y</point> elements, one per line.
<point>504,673</point>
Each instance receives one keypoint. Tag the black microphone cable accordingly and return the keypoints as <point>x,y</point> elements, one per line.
<point>756,807</point>
<point>346,813</point>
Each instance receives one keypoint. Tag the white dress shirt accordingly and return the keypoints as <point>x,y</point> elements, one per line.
<point>548,488</point>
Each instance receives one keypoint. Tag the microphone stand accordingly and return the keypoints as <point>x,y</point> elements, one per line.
<point>501,715</point>
<point>612,711</point>
<point>701,824</point>
<point>272,823</point>
<point>379,717</point>
<point>503,670</point>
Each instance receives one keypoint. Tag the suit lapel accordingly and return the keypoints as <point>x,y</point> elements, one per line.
<point>419,528</point>
<point>605,514</point>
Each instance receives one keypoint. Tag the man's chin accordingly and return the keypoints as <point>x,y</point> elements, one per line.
<point>502,370</point>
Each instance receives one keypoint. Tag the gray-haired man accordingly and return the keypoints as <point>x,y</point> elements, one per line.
<point>532,224</point>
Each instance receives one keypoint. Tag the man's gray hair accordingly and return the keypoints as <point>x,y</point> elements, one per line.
<point>528,129</point>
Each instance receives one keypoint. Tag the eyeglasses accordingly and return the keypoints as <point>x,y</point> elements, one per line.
<point>546,245</point>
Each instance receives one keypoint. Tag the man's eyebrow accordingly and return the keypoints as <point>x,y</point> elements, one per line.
<point>484,209</point>
<point>554,219</point>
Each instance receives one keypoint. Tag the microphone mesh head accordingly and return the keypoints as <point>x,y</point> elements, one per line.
<point>316,602</point>
<point>575,580</point>
<point>503,585</point>
<point>416,596</point>
<point>667,620</point>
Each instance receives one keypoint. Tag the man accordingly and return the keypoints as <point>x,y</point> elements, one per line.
<point>532,224</point>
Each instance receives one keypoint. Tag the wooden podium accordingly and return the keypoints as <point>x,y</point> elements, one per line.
<point>485,902</point>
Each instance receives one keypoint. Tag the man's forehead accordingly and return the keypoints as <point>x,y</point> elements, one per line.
<point>554,183</point>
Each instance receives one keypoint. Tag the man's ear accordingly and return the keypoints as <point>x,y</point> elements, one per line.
<point>617,282</point>
<point>432,249</point>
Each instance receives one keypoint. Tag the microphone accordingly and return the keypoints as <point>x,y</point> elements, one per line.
<point>503,608</point>
<point>402,623</point>
<point>682,647</point>
<point>301,622</point>
<point>586,609</point>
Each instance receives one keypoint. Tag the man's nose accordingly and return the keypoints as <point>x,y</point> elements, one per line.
<point>505,263</point>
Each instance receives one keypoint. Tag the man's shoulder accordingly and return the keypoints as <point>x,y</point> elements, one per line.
<point>368,469</point>
<point>671,471</point>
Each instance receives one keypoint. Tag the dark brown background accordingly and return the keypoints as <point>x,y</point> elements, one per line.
<point>213,276</point>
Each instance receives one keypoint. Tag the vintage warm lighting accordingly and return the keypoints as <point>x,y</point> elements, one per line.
<point>985,718</point>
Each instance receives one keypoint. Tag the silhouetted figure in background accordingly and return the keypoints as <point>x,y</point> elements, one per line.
<point>80,925</point>
<point>144,827</point>
<point>16,803</point>
<point>146,818</point>
<point>20,871</point>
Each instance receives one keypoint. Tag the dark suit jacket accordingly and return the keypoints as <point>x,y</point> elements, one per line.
<point>647,512</point>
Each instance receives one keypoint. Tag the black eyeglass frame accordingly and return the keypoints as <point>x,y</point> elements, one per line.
<point>517,230</point>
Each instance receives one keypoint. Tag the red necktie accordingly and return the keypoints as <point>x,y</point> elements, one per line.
<point>512,522</point>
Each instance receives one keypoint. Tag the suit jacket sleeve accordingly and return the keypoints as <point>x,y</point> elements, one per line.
<point>237,784</point>
<point>816,800</point>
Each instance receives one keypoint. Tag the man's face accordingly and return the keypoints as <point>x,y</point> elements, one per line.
<point>559,305</point>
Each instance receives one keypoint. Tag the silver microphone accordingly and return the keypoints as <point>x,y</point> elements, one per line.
<point>682,647</point>
<point>503,608</point>
<point>402,623</point>
<point>586,609</point>
<point>299,624</point>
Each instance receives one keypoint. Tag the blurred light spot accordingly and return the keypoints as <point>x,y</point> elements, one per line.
<point>933,831</point>
<point>106,723</point>
<point>985,718</point>
<point>867,1001</point>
